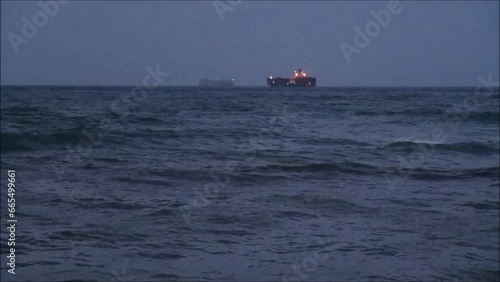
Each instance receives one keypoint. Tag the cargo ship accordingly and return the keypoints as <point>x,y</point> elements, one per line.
<point>216,82</point>
<point>299,79</point>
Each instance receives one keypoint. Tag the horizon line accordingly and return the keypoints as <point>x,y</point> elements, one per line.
<point>243,86</point>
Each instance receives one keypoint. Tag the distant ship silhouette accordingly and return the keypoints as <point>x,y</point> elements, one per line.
<point>299,79</point>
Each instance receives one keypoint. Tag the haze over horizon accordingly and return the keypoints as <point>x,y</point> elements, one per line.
<point>111,43</point>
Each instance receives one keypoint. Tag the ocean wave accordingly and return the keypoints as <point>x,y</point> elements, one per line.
<point>23,141</point>
<point>335,141</point>
<point>160,256</point>
<point>483,117</point>
<point>290,214</point>
<point>346,167</point>
<point>93,203</point>
<point>23,110</point>
<point>365,169</point>
<point>209,175</point>
<point>315,202</point>
<point>409,113</point>
<point>160,133</point>
<point>279,172</point>
<point>464,147</point>
<point>441,174</point>
<point>136,180</point>
<point>144,120</point>
<point>110,159</point>
<point>486,205</point>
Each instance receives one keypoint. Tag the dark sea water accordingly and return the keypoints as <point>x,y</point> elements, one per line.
<point>252,184</point>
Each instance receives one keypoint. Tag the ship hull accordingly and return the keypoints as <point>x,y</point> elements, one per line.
<point>294,82</point>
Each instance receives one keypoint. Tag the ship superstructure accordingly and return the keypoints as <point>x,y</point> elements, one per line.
<point>299,79</point>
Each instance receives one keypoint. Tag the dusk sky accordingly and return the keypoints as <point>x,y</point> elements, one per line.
<point>111,43</point>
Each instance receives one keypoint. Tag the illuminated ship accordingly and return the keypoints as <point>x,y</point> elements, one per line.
<point>216,82</point>
<point>299,79</point>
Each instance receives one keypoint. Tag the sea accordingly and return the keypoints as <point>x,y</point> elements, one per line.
<point>251,184</point>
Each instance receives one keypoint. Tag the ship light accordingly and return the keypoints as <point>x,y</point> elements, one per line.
<point>271,77</point>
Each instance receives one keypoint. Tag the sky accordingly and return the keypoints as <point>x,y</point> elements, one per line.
<point>424,43</point>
